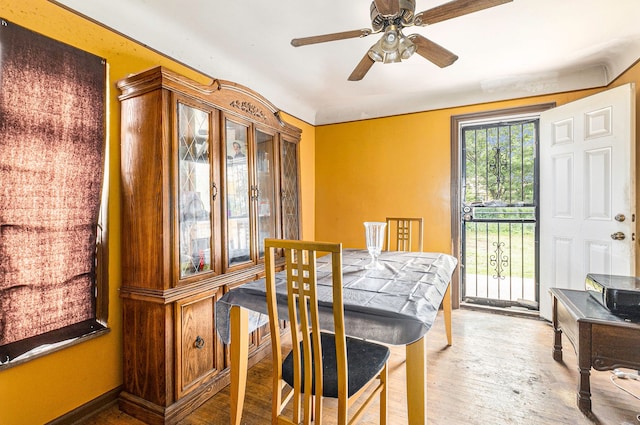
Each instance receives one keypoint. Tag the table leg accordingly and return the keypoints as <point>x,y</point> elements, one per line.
<point>584,366</point>
<point>557,333</point>
<point>239,353</point>
<point>446,307</point>
<point>416,369</point>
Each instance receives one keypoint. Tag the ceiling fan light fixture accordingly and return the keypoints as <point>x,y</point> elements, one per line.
<point>375,53</point>
<point>392,47</point>
<point>389,42</point>
<point>392,57</point>
<point>406,47</point>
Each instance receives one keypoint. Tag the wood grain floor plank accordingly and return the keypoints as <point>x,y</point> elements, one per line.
<point>499,371</point>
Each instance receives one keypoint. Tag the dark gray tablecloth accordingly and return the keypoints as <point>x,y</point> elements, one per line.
<point>396,305</point>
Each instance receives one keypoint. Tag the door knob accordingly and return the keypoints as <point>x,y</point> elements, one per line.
<point>620,217</point>
<point>617,236</point>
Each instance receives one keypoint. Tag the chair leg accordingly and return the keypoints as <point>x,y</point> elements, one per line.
<point>297,416</point>
<point>313,408</point>
<point>384,378</point>
<point>308,409</point>
<point>343,411</point>
<point>316,410</point>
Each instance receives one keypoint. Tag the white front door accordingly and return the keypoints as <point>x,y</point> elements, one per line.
<point>587,191</point>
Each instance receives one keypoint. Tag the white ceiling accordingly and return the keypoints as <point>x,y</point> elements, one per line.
<point>519,49</point>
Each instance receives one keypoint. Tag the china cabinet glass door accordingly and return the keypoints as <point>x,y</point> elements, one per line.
<point>237,193</point>
<point>194,210</point>
<point>289,190</point>
<point>265,189</point>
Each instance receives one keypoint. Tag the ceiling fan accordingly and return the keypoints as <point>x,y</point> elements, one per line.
<point>390,17</point>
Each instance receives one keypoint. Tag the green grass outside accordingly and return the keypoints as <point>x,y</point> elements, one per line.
<point>512,243</point>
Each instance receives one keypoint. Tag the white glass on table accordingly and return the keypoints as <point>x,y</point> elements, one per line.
<point>374,235</point>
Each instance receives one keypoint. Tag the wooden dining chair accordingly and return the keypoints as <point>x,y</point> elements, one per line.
<point>402,233</point>
<point>320,363</point>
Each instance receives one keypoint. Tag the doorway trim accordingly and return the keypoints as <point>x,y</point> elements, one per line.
<point>456,120</point>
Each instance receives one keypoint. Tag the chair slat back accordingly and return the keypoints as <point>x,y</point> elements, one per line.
<point>401,234</point>
<point>302,294</point>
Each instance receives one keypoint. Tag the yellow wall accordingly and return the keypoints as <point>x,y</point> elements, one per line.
<point>46,388</point>
<point>399,166</point>
<point>350,173</point>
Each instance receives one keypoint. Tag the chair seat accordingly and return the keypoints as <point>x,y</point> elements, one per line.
<point>365,361</point>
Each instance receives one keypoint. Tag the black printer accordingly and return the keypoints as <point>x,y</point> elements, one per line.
<point>619,294</point>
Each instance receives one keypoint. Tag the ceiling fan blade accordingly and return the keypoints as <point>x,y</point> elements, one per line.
<point>362,68</point>
<point>432,51</point>
<point>387,7</point>
<point>453,9</point>
<point>296,42</point>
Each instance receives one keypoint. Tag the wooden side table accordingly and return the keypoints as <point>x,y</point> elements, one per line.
<point>601,340</point>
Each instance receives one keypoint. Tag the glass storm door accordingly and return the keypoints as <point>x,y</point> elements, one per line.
<point>499,214</point>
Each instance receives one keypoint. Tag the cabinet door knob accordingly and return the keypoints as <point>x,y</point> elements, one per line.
<point>199,342</point>
<point>255,193</point>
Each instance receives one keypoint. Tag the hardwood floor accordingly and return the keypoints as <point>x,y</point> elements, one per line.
<point>499,371</point>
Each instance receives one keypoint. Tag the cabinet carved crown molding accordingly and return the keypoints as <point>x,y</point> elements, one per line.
<point>225,95</point>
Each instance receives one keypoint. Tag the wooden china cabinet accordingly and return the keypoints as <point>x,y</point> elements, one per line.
<point>208,171</point>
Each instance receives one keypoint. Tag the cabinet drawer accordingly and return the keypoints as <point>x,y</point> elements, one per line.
<point>199,352</point>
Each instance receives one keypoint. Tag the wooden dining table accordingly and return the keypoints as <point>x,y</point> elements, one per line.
<point>396,305</point>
